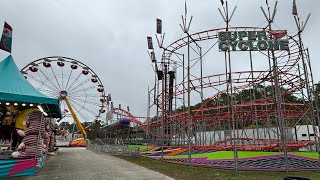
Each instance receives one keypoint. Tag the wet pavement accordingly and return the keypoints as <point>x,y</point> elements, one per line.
<point>82,164</point>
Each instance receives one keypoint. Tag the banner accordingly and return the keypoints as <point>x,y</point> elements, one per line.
<point>294,8</point>
<point>111,105</point>
<point>150,45</point>
<point>153,57</point>
<point>6,39</point>
<point>275,40</point>
<point>278,34</point>
<point>159,26</point>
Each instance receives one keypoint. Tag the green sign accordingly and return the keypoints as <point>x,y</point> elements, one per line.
<point>253,41</point>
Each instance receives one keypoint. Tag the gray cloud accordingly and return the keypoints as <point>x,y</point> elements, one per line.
<point>110,36</point>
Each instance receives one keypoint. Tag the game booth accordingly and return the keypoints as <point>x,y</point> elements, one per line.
<point>25,123</point>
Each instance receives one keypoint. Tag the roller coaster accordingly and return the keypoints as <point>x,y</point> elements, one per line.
<point>259,98</point>
<point>260,109</point>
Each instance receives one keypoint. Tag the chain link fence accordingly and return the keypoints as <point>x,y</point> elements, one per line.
<point>99,147</point>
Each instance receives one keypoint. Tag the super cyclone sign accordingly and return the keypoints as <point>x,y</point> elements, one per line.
<point>253,41</point>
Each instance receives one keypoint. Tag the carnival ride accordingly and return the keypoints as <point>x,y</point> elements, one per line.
<point>257,104</point>
<point>214,116</point>
<point>78,87</point>
<point>122,126</point>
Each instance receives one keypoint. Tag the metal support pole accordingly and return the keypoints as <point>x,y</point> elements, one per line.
<point>315,100</point>
<point>189,108</point>
<point>163,109</point>
<point>75,118</point>
<point>309,91</point>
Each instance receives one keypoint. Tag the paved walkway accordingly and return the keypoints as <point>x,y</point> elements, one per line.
<point>78,163</point>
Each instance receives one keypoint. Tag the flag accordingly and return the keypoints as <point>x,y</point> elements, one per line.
<point>185,7</point>
<point>150,45</point>
<point>222,2</point>
<point>111,105</point>
<point>159,26</point>
<point>153,57</point>
<point>6,39</point>
<point>278,34</point>
<point>294,8</point>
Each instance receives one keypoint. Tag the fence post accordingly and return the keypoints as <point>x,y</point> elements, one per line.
<point>87,144</point>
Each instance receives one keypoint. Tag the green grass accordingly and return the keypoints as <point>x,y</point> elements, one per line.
<point>138,146</point>
<point>242,154</point>
<point>184,172</point>
<point>313,155</point>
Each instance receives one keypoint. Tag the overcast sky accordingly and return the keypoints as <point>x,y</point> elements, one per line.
<point>110,35</point>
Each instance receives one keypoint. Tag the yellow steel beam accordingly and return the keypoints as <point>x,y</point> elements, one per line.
<point>75,118</point>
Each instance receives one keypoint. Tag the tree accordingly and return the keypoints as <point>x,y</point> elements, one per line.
<point>317,91</point>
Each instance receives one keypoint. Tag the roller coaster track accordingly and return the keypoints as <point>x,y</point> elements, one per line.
<point>261,109</point>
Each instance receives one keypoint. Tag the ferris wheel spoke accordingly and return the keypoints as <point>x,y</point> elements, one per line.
<point>88,95</point>
<point>86,101</point>
<point>48,79</point>
<point>41,87</point>
<point>55,77</point>
<point>68,79</point>
<point>83,107</point>
<point>74,81</point>
<point>62,78</point>
<point>80,106</point>
<point>80,84</point>
<point>64,106</point>
<point>42,83</point>
<point>78,111</point>
<point>84,89</point>
<point>48,92</point>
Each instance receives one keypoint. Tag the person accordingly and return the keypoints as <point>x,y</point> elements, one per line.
<point>193,140</point>
<point>20,124</point>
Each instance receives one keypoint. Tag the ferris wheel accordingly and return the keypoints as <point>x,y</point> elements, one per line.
<point>78,87</point>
